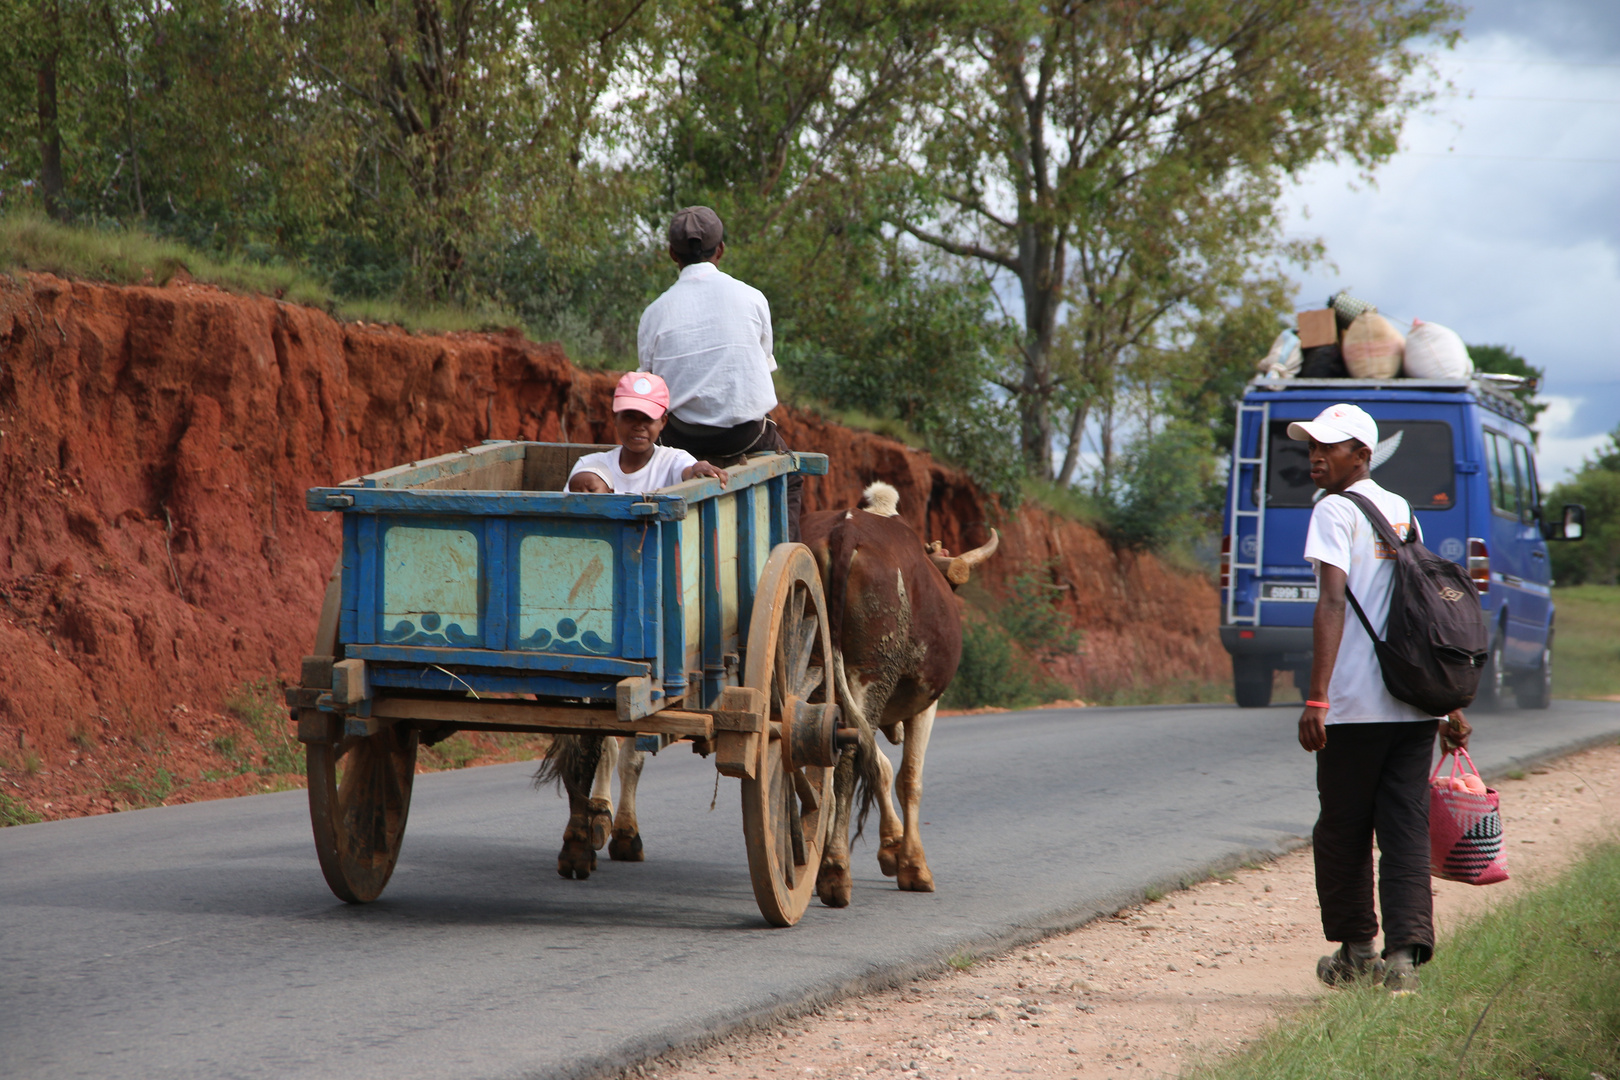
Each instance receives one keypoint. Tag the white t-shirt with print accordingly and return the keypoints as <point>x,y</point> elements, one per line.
<point>1340,535</point>
<point>662,469</point>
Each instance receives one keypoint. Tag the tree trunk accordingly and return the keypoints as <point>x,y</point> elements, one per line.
<point>50,133</point>
<point>1071,456</point>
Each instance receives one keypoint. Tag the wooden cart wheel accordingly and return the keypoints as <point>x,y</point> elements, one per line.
<point>359,790</point>
<point>787,807</point>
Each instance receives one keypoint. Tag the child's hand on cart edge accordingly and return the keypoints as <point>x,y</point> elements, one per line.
<point>703,468</point>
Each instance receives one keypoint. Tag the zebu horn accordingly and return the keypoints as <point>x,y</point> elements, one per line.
<point>957,570</point>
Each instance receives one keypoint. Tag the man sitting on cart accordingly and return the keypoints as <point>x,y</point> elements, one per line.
<point>709,336</point>
<point>638,464</point>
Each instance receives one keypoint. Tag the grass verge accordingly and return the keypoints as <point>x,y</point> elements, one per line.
<point>13,812</point>
<point>1586,648</point>
<point>1527,990</point>
<point>273,750</point>
<point>129,256</point>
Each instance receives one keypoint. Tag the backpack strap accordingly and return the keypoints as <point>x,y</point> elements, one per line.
<point>1386,532</point>
<point>1376,518</point>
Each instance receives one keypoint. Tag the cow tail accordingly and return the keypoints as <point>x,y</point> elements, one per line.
<point>571,758</point>
<point>868,777</point>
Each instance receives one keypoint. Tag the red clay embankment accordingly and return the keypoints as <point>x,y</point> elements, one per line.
<point>155,444</point>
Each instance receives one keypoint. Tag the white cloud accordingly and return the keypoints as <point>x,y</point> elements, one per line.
<point>1499,219</point>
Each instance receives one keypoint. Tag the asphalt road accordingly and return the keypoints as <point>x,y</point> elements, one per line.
<point>200,941</point>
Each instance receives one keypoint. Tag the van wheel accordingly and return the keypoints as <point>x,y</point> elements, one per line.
<point>1536,690</point>
<point>1493,688</point>
<point>1251,681</point>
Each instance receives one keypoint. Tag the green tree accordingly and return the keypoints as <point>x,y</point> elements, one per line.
<point>1596,557</point>
<point>1503,360</point>
<point>1122,160</point>
<point>460,120</point>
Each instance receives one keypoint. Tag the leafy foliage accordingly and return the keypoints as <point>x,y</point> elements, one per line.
<point>1596,557</point>
<point>1167,492</point>
<point>1000,224</point>
<point>1502,360</point>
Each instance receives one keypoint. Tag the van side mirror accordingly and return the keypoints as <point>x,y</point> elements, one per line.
<point>1571,524</point>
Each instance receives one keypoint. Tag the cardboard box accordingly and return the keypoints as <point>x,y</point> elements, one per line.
<point>1317,328</point>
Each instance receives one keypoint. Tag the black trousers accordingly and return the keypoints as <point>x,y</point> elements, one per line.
<point>726,447</point>
<point>1373,779</point>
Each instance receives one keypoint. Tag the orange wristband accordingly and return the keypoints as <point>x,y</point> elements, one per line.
<point>1316,704</point>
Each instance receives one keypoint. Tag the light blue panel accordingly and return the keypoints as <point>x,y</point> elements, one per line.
<point>761,530</point>
<point>430,586</point>
<point>691,585</point>
<point>565,594</point>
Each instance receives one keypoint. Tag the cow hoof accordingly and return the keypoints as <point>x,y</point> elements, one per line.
<point>575,862</point>
<point>625,847</point>
<point>834,885</point>
<point>601,823</point>
<point>889,859</point>
<point>915,879</point>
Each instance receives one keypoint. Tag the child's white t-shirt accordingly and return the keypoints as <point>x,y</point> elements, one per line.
<point>1340,535</point>
<point>662,469</point>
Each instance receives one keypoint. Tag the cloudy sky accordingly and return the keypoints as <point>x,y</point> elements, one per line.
<point>1500,218</point>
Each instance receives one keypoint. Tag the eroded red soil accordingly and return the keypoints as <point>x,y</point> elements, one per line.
<point>156,558</point>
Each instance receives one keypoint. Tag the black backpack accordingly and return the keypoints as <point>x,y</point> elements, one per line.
<point>1435,639</point>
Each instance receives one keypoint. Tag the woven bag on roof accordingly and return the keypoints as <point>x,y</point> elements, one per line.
<point>1346,308</point>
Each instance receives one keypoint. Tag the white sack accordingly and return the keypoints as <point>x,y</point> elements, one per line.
<point>1283,361</point>
<point>1436,352</point>
<point>1373,347</point>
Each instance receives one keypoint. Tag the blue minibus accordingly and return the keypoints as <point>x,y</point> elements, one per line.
<point>1460,451</point>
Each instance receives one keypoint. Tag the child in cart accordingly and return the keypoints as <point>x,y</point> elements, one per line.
<point>639,464</point>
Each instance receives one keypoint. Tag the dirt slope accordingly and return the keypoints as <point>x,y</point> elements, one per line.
<point>155,555</point>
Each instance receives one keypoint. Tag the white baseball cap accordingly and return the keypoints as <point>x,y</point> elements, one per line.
<point>1337,423</point>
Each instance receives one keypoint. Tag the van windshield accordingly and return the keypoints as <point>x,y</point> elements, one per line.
<point>1413,459</point>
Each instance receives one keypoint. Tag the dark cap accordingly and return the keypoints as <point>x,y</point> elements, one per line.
<point>694,230</point>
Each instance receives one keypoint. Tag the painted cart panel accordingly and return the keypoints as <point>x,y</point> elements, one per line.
<point>472,571</point>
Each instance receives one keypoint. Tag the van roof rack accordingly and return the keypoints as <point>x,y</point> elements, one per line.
<point>1495,391</point>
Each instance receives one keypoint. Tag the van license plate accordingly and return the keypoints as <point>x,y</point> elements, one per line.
<point>1277,590</point>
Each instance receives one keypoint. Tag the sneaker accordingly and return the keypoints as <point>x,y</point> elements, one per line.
<point>1400,973</point>
<point>1352,961</point>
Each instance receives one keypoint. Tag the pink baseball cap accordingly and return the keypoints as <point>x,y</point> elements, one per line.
<point>642,391</point>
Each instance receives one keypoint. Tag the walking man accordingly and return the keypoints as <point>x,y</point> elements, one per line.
<point>709,337</point>
<point>1373,751</point>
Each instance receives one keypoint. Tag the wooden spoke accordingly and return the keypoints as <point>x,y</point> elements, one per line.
<point>359,792</point>
<point>787,811</point>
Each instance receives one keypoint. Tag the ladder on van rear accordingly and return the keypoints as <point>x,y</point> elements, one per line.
<point>1253,470</point>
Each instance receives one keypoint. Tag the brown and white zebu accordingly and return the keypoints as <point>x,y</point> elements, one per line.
<point>897,640</point>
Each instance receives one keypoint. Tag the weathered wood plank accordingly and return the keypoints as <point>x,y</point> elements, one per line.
<point>524,660</point>
<point>533,716</point>
<point>445,465</point>
<point>491,476</point>
<point>546,465</point>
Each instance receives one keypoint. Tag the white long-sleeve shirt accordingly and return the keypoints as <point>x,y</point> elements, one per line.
<point>709,337</point>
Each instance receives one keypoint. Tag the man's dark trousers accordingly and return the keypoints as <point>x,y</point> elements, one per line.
<point>1374,778</point>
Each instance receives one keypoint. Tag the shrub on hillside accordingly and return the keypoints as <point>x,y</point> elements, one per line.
<point>1596,558</point>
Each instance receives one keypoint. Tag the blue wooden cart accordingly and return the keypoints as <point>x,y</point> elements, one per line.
<point>473,593</point>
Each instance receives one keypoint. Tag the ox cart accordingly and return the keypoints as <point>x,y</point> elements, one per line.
<point>474,594</point>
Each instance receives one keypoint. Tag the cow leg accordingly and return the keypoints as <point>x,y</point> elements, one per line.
<point>890,831</point>
<point>626,843</point>
<point>913,872</point>
<point>833,882</point>
<point>602,793</point>
<point>578,855</point>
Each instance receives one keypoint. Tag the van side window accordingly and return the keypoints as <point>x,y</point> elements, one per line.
<point>1499,461</point>
<point>1529,494</point>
